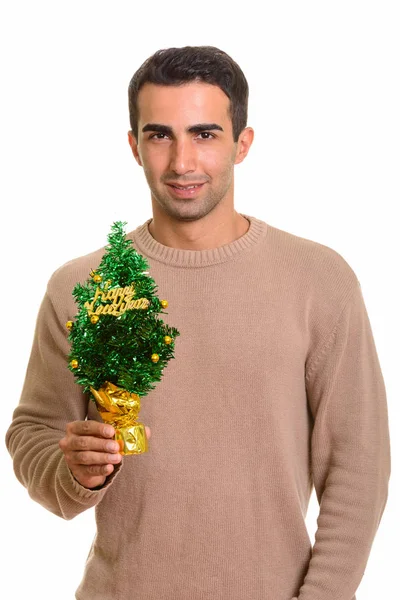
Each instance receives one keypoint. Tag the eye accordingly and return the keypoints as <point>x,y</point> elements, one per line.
<point>207,133</point>
<point>155,136</point>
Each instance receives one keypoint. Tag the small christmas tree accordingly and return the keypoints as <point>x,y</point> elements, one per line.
<point>119,346</point>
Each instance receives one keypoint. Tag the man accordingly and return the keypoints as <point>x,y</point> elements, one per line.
<point>276,385</point>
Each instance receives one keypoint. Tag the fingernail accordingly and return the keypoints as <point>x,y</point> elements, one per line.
<point>114,458</point>
<point>108,431</point>
<point>112,446</point>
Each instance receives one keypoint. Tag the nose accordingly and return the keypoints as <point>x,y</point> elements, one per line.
<point>183,156</point>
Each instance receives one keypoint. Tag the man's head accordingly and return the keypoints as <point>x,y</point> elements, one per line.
<point>188,114</point>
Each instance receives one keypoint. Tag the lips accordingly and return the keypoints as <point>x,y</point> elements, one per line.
<point>185,187</point>
<point>185,191</point>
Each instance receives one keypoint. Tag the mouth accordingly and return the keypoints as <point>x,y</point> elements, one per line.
<point>185,191</point>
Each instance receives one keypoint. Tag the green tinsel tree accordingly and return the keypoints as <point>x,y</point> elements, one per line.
<point>129,349</point>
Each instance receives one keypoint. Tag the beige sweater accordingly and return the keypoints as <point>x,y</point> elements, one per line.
<point>275,387</point>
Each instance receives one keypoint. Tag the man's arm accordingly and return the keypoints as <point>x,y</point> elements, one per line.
<point>50,400</point>
<point>350,453</point>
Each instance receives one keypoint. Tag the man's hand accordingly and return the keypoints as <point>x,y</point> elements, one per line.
<point>90,452</point>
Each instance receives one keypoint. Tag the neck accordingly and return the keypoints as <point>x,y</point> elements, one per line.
<point>211,231</point>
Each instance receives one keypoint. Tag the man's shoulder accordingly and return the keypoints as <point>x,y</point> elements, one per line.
<point>74,271</point>
<point>310,259</point>
<point>314,277</point>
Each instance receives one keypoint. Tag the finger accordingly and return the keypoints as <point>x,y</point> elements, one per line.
<point>148,432</point>
<point>93,458</point>
<point>91,477</point>
<point>92,428</point>
<point>89,443</point>
<point>97,470</point>
<point>91,482</point>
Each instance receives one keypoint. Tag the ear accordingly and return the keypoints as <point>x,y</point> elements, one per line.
<point>134,146</point>
<point>243,144</point>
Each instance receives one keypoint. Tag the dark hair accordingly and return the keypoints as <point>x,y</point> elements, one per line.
<point>177,66</point>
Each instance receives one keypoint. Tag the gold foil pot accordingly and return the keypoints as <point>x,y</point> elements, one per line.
<point>120,408</point>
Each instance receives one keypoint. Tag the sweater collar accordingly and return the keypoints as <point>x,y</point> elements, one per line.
<point>177,257</point>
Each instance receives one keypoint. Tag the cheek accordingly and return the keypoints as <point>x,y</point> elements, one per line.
<point>155,160</point>
<point>213,161</point>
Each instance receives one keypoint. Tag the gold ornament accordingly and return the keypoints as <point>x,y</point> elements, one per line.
<point>94,319</point>
<point>69,325</point>
<point>155,358</point>
<point>164,303</point>
<point>74,364</point>
<point>97,278</point>
<point>167,339</point>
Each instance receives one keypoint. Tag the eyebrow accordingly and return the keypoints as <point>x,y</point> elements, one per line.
<point>192,129</point>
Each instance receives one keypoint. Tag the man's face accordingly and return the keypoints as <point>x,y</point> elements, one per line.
<point>185,138</point>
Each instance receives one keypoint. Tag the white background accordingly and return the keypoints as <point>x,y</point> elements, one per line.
<point>324,103</point>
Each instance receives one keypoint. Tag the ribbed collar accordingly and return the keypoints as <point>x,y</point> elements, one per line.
<point>177,257</point>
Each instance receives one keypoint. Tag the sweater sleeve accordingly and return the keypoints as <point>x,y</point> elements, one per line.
<point>350,453</point>
<point>50,399</point>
